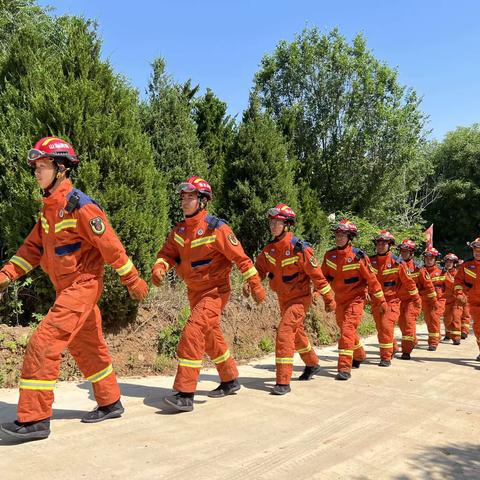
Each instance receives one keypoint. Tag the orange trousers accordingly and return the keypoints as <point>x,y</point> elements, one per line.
<point>74,322</point>
<point>349,316</point>
<point>453,320</point>
<point>386,327</point>
<point>466,319</point>
<point>432,315</point>
<point>291,336</point>
<point>202,334</point>
<point>475,312</point>
<point>407,321</point>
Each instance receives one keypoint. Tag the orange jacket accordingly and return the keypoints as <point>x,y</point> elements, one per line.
<point>437,275</point>
<point>202,249</point>
<point>350,274</point>
<point>423,281</point>
<point>450,284</point>
<point>291,267</point>
<point>393,276</point>
<point>72,238</point>
<point>466,281</point>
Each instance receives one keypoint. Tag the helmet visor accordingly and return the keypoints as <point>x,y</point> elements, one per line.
<point>186,187</point>
<point>273,212</point>
<point>33,155</point>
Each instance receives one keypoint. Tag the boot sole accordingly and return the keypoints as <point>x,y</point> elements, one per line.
<point>184,408</point>
<point>310,376</point>
<point>221,393</point>
<point>279,394</point>
<point>114,414</point>
<point>27,436</point>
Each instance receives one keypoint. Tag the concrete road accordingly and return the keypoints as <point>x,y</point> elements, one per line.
<point>418,419</point>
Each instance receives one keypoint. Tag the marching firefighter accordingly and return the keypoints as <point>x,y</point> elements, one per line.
<point>202,248</point>
<point>393,276</point>
<point>291,267</point>
<point>350,274</point>
<point>409,308</point>
<point>467,287</point>
<point>466,317</point>
<point>453,311</point>
<point>433,312</point>
<point>71,241</point>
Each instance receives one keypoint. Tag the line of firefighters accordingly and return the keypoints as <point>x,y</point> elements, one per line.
<point>72,240</point>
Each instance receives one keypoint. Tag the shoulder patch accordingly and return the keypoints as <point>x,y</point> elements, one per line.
<point>214,222</point>
<point>97,225</point>
<point>232,239</point>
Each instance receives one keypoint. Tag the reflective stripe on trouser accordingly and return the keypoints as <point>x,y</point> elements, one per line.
<point>432,314</point>
<point>291,337</point>
<point>386,327</point>
<point>466,319</point>
<point>453,320</point>
<point>77,326</point>
<point>475,312</point>
<point>202,334</point>
<point>349,316</point>
<point>407,321</point>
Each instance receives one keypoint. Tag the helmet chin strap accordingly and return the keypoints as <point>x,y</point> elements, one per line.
<point>58,174</point>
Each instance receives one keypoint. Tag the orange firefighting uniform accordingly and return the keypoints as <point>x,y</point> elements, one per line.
<point>393,276</point>
<point>466,317</point>
<point>433,312</point>
<point>453,311</point>
<point>202,249</point>
<point>71,241</point>
<point>291,267</point>
<point>466,282</point>
<point>350,274</point>
<point>410,308</point>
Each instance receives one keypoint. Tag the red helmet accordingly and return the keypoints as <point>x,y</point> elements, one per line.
<point>475,243</point>
<point>431,252</point>
<point>450,256</point>
<point>346,226</point>
<point>407,244</point>
<point>196,184</point>
<point>282,212</point>
<point>55,148</point>
<point>386,236</point>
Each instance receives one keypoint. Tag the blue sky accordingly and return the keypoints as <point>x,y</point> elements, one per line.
<point>219,44</point>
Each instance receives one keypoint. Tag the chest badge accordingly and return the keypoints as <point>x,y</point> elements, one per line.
<point>349,260</point>
<point>61,213</point>
<point>389,265</point>
<point>181,229</point>
<point>287,253</point>
<point>199,231</point>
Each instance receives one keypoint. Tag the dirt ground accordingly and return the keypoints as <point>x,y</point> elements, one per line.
<point>418,419</point>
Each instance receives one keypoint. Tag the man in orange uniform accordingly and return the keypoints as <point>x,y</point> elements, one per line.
<point>433,312</point>
<point>466,317</point>
<point>350,274</point>
<point>453,311</point>
<point>71,241</point>
<point>393,276</point>
<point>467,283</point>
<point>409,308</point>
<point>291,268</point>
<point>202,248</point>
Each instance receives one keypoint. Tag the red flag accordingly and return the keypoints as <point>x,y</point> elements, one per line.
<point>429,236</point>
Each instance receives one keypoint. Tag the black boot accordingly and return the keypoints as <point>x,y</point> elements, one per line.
<point>309,372</point>
<point>431,348</point>
<point>478,358</point>
<point>114,410</point>
<point>280,389</point>
<point>405,356</point>
<point>27,430</point>
<point>183,402</point>
<point>225,388</point>
<point>343,376</point>
<point>446,338</point>
<point>464,335</point>
<point>356,363</point>
<point>384,363</point>
<point>456,342</point>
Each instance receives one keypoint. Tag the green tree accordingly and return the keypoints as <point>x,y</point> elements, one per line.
<point>260,175</point>
<point>168,122</point>
<point>53,82</point>
<point>455,213</point>
<point>349,122</point>
<point>215,132</point>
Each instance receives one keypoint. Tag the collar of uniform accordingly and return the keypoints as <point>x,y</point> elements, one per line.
<point>196,219</point>
<point>58,196</point>
<point>344,252</point>
<point>383,259</point>
<point>284,241</point>
<point>410,264</point>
